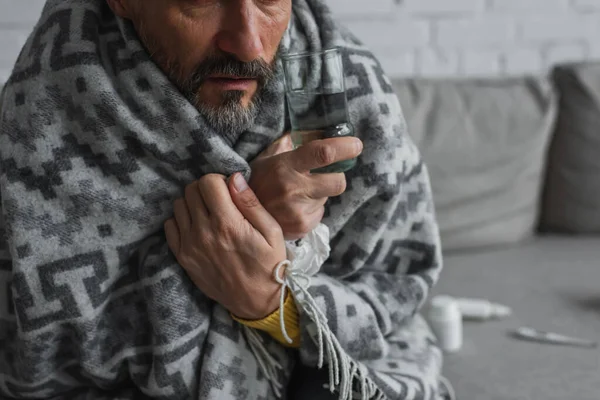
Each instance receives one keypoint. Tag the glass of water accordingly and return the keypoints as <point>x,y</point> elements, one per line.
<point>316,98</point>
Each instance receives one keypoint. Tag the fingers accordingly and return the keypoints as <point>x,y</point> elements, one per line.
<point>281,145</point>
<point>252,210</point>
<point>195,204</point>
<point>182,216</point>
<point>235,201</point>
<point>305,224</point>
<point>309,136</point>
<point>173,236</point>
<point>217,199</point>
<point>326,185</point>
<point>321,153</point>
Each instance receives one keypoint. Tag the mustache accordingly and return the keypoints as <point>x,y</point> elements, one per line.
<point>257,69</point>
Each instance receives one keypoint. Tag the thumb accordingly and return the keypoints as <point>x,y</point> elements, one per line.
<point>250,207</point>
<point>281,145</point>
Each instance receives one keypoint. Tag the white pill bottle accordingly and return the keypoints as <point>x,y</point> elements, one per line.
<point>445,320</point>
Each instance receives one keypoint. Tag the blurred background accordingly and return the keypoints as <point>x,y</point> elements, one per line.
<point>426,37</point>
<point>474,37</point>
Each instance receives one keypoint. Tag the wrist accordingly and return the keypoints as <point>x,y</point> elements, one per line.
<point>272,323</point>
<point>261,304</point>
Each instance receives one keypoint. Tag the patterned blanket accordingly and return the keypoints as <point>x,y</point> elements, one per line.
<point>96,144</point>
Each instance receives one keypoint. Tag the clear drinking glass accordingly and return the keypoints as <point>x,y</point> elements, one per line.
<point>316,97</point>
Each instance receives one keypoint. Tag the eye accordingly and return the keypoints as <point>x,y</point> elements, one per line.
<point>270,2</point>
<point>192,7</point>
<point>199,3</point>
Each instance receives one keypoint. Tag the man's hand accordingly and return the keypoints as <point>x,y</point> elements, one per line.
<point>228,244</point>
<point>283,183</point>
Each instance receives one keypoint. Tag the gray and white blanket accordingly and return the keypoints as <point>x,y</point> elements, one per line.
<point>96,144</point>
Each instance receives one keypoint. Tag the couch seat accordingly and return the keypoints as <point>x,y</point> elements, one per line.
<point>551,283</point>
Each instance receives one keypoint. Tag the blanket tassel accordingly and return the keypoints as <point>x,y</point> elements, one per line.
<point>343,371</point>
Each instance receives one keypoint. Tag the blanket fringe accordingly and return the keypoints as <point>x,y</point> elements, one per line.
<point>268,364</point>
<point>343,370</point>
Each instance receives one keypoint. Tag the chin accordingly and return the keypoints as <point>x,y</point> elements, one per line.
<point>226,98</point>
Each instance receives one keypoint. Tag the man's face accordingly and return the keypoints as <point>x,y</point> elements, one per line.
<point>220,53</point>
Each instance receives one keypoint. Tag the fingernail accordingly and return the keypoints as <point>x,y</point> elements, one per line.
<point>240,183</point>
<point>359,145</point>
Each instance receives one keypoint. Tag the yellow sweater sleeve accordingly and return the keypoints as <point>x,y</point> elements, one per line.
<point>271,324</point>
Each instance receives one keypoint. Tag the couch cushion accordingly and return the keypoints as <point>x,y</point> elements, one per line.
<point>551,283</point>
<point>572,195</point>
<point>484,142</point>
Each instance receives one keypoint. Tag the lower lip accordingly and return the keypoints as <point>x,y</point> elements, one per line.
<point>232,84</point>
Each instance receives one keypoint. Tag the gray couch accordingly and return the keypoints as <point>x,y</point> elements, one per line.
<point>515,170</point>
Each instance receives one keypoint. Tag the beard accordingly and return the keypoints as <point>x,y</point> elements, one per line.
<point>229,117</point>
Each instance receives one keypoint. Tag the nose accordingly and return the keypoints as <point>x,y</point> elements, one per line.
<point>241,34</point>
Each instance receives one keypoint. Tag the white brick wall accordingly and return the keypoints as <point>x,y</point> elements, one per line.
<point>474,37</point>
<point>426,37</point>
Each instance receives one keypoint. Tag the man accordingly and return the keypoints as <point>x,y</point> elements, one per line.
<point>148,190</point>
